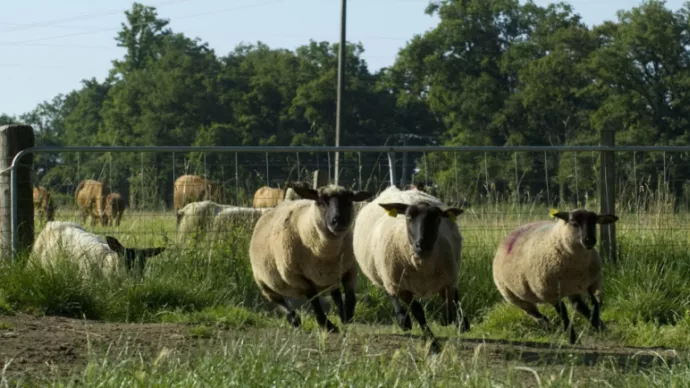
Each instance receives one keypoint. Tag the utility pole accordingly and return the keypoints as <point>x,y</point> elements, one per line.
<point>341,85</point>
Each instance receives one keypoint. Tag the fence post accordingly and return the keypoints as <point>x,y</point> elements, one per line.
<point>14,138</point>
<point>319,179</point>
<point>607,195</point>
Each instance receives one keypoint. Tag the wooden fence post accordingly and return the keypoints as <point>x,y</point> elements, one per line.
<point>607,195</point>
<point>14,138</point>
<point>319,179</point>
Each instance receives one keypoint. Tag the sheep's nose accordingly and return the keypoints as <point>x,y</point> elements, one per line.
<point>418,246</point>
<point>590,242</point>
<point>335,220</point>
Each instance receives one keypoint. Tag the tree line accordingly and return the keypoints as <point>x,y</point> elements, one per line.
<point>492,72</point>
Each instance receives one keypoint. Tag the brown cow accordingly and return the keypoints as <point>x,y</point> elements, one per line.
<point>90,196</point>
<point>193,188</point>
<point>114,207</point>
<point>43,203</point>
<point>267,197</point>
<point>270,197</point>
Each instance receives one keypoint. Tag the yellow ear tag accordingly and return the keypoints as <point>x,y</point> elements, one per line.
<point>392,212</point>
<point>451,216</point>
<point>553,212</point>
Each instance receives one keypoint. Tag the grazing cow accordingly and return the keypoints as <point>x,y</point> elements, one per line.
<point>43,203</point>
<point>193,188</point>
<point>90,196</point>
<point>114,207</point>
<point>270,197</point>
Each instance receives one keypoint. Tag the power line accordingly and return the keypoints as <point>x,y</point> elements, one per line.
<point>76,18</point>
<point>181,17</point>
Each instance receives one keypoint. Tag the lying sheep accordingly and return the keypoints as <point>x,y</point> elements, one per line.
<point>304,248</point>
<point>201,218</point>
<point>416,255</point>
<point>88,250</point>
<point>543,262</point>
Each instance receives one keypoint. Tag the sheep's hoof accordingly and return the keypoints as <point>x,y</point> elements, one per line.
<point>404,321</point>
<point>434,348</point>
<point>573,337</point>
<point>465,326</point>
<point>294,319</point>
<point>331,328</point>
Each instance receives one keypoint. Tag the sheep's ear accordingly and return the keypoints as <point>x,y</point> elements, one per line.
<point>559,214</point>
<point>114,244</point>
<point>360,196</point>
<point>604,219</point>
<point>306,193</point>
<point>393,209</point>
<point>451,213</point>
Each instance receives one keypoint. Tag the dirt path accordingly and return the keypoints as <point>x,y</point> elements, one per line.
<point>33,345</point>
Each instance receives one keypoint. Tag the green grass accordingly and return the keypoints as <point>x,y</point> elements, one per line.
<point>646,303</point>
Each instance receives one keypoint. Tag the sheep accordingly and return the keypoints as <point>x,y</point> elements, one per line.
<point>417,255</point>
<point>208,216</point>
<point>543,262</point>
<point>87,249</point>
<point>303,248</point>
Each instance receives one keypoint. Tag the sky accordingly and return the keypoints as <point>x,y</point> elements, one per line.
<point>49,46</point>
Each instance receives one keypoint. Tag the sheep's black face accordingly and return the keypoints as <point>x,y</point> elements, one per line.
<point>336,205</point>
<point>584,224</point>
<point>422,220</point>
<point>133,256</point>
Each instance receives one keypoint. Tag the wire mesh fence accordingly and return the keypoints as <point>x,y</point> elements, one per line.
<point>497,190</point>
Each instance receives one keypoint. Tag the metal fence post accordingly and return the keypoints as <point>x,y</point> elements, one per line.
<point>607,195</point>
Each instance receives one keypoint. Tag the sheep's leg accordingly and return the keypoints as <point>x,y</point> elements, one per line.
<point>592,316</point>
<point>563,313</point>
<point>450,306</point>
<point>349,281</point>
<point>282,303</point>
<point>401,315</point>
<point>338,300</point>
<point>452,303</point>
<point>596,307</point>
<point>321,317</point>
<point>529,308</point>
<point>418,312</point>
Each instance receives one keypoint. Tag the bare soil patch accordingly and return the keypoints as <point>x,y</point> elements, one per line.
<point>32,346</point>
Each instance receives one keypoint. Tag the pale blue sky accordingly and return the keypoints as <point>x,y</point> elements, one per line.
<point>49,46</point>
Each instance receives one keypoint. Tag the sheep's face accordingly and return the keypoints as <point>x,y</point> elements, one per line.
<point>335,204</point>
<point>583,224</point>
<point>133,256</point>
<point>422,220</point>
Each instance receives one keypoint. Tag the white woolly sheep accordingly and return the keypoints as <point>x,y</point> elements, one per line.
<point>200,218</point>
<point>72,241</point>
<point>416,255</point>
<point>303,248</point>
<point>544,262</point>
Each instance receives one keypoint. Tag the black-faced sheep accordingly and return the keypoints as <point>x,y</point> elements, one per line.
<point>303,248</point>
<point>544,262</point>
<point>408,244</point>
<point>70,240</point>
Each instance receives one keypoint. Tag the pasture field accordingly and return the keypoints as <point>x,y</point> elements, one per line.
<point>195,318</point>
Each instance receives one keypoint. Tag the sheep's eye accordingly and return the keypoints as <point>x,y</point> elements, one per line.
<point>574,223</point>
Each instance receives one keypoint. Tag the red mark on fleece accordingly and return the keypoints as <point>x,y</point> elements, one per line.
<point>522,230</point>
